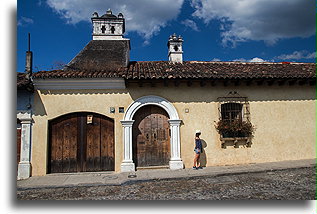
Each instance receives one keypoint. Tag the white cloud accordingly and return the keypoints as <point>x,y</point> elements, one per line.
<point>240,60</point>
<point>255,59</point>
<point>190,24</point>
<point>296,55</point>
<point>266,20</point>
<point>215,60</point>
<point>311,55</point>
<point>142,16</point>
<point>24,21</point>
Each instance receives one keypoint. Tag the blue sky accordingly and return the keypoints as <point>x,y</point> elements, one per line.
<point>213,30</point>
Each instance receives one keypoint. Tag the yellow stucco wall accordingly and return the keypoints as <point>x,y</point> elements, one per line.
<point>284,117</point>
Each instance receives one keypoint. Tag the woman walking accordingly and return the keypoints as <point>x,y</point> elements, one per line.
<point>198,147</point>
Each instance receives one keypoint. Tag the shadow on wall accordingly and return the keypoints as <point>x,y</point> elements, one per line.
<point>40,105</point>
<point>179,94</point>
<point>210,94</point>
<point>39,110</point>
<point>185,94</point>
<point>203,158</point>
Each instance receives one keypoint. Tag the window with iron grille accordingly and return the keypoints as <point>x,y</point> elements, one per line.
<point>233,107</point>
<point>234,123</point>
<point>231,111</point>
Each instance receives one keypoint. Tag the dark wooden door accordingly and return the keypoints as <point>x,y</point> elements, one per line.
<point>151,140</point>
<point>100,144</point>
<point>81,142</point>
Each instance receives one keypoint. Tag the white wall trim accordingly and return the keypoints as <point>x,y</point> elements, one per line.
<point>175,161</point>
<point>82,83</point>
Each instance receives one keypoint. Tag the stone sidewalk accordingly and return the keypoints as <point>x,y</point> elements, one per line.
<point>112,178</point>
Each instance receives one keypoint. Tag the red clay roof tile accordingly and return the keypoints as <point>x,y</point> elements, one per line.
<point>191,70</point>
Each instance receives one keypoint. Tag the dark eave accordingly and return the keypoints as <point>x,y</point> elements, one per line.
<point>23,83</point>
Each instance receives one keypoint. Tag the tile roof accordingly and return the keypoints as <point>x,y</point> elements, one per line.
<point>23,83</point>
<point>219,70</point>
<point>100,54</point>
<point>191,70</point>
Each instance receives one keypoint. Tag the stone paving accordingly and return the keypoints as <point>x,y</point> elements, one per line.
<point>113,178</point>
<point>280,184</point>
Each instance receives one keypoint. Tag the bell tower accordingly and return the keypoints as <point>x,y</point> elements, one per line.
<point>175,49</point>
<point>107,26</point>
<point>108,49</point>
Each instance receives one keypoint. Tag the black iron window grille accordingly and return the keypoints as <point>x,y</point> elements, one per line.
<point>233,107</point>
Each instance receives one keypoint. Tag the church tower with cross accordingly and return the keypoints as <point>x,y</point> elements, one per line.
<point>107,26</point>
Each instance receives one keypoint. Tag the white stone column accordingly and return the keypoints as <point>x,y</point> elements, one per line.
<point>127,164</point>
<point>24,167</point>
<point>175,161</point>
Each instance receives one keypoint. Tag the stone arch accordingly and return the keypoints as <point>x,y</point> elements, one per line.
<point>151,100</point>
<point>174,121</point>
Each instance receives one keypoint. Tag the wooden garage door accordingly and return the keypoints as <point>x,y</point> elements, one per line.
<point>81,142</point>
<point>151,139</point>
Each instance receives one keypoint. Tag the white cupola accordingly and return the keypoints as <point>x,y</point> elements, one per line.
<point>175,48</point>
<point>107,26</point>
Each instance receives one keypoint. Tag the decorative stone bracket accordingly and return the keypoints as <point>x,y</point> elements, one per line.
<point>235,140</point>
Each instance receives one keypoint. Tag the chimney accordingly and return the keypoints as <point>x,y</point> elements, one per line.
<point>175,49</point>
<point>28,60</point>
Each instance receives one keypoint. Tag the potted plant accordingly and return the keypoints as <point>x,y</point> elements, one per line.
<point>234,128</point>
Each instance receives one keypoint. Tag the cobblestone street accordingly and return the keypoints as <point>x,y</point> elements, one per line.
<point>288,184</point>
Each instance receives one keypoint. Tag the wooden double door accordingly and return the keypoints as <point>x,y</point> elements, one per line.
<point>81,142</point>
<point>151,137</point>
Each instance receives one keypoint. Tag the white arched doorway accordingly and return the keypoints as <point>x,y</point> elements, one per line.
<point>174,122</point>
